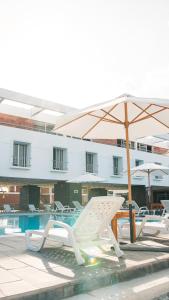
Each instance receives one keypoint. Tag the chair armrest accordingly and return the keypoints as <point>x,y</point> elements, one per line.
<point>36,232</point>
<point>51,223</point>
<point>154,217</point>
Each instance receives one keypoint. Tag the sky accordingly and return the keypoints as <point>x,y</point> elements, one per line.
<point>81,52</point>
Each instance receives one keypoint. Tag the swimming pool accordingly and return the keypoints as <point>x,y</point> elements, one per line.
<point>14,224</point>
<point>19,223</point>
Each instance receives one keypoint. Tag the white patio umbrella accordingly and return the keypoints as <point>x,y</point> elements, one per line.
<point>113,119</point>
<point>86,178</point>
<point>147,169</point>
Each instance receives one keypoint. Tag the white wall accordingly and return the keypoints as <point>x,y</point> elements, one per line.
<point>42,153</point>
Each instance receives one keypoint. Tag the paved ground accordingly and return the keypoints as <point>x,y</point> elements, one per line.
<point>54,273</point>
<point>148,287</point>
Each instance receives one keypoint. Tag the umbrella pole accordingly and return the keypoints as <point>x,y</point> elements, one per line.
<point>126,124</point>
<point>149,188</point>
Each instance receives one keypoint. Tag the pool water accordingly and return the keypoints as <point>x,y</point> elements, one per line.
<point>10,224</point>
<point>13,224</point>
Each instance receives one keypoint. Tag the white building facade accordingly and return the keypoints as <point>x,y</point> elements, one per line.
<point>37,155</point>
<point>32,156</point>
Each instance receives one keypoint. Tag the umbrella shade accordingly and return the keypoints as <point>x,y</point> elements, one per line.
<point>147,169</point>
<point>107,120</point>
<point>87,178</point>
<point>125,117</point>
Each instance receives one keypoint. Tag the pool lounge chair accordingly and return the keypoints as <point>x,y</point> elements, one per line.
<point>165,204</point>
<point>77,205</point>
<point>150,224</point>
<point>8,208</point>
<point>143,210</point>
<point>61,208</point>
<point>32,208</point>
<point>92,228</point>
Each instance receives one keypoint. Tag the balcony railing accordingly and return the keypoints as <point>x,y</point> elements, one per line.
<point>91,168</point>
<point>60,165</point>
<point>21,162</point>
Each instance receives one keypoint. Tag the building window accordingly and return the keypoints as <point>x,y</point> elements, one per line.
<point>122,143</point>
<point>59,159</point>
<point>21,154</point>
<point>139,162</point>
<point>91,162</point>
<point>117,165</point>
<point>144,147</point>
<point>158,177</point>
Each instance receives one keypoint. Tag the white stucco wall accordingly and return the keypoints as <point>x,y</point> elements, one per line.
<point>42,153</point>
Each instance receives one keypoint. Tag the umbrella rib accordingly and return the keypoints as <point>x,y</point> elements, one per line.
<point>164,172</point>
<point>91,128</point>
<point>158,105</point>
<point>118,120</point>
<point>104,119</point>
<point>133,120</point>
<point>69,122</point>
<point>150,116</point>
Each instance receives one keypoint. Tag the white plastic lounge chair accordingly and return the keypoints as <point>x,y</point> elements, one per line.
<point>8,208</point>
<point>48,208</point>
<point>150,224</point>
<point>61,208</point>
<point>77,205</point>
<point>140,210</point>
<point>92,228</point>
<point>154,225</point>
<point>32,208</point>
<point>165,203</point>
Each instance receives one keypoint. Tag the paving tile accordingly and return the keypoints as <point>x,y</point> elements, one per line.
<point>9,263</point>
<point>63,271</point>
<point>7,276</point>
<point>83,297</point>
<point>38,278</point>
<point>4,248</point>
<point>35,260</point>
<point>17,287</point>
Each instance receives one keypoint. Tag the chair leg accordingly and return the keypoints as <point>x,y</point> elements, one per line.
<point>79,258</point>
<point>116,245</point>
<point>32,247</point>
<point>140,231</point>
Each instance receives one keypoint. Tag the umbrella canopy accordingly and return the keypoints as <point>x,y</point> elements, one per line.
<point>107,120</point>
<point>125,117</point>
<point>151,167</point>
<point>86,178</point>
<point>147,169</point>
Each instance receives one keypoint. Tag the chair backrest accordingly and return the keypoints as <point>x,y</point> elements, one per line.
<point>59,205</point>
<point>165,203</point>
<point>134,205</point>
<point>77,204</point>
<point>7,208</point>
<point>96,216</point>
<point>32,207</point>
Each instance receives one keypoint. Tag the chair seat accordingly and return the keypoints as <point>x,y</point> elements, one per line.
<point>149,228</point>
<point>59,234</point>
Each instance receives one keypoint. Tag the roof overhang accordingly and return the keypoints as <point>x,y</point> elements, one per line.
<point>21,105</point>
